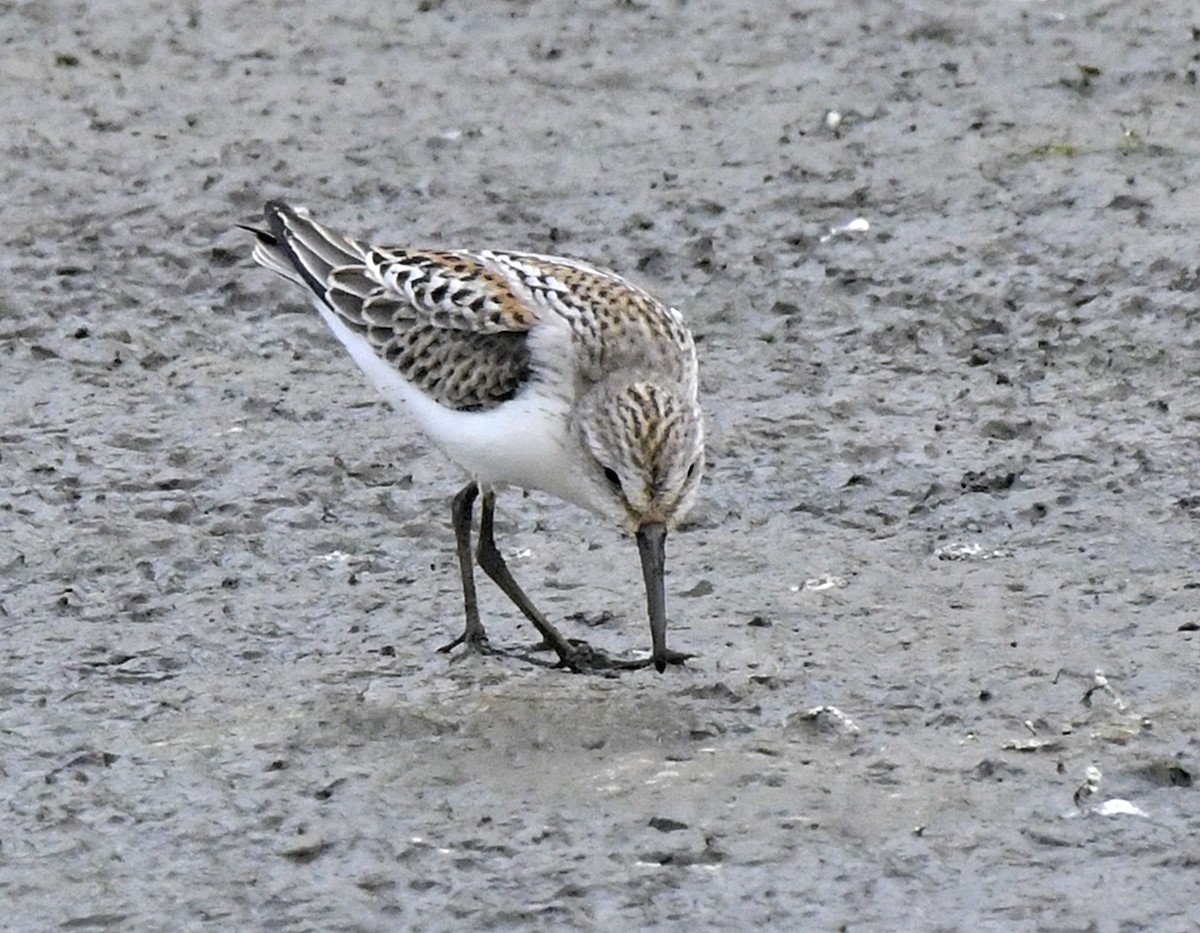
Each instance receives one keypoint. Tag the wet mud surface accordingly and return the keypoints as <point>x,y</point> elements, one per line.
<point>953,473</point>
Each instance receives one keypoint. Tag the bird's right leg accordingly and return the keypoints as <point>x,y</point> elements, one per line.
<point>462,510</point>
<point>570,655</point>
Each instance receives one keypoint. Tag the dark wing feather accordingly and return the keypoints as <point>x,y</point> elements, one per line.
<point>451,328</point>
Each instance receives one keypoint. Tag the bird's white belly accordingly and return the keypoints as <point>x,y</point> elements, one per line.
<point>526,441</point>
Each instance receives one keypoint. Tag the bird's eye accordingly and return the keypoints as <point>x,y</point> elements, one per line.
<point>692,469</point>
<point>613,479</point>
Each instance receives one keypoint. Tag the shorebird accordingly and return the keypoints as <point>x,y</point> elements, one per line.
<point>525,370</point>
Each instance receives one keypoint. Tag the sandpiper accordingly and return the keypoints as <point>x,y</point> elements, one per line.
<point>525,370</point>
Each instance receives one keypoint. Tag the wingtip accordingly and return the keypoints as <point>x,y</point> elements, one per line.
<point>282,217</point>
<point>274,211</point>
<point>276,206</point>
<point>295,243</point>
<point>263,236</point>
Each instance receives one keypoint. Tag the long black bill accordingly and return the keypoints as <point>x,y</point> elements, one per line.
<point>652,546</point>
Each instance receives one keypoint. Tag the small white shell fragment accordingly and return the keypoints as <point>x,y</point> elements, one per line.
<point>1118,807</point>
<point>968,550</point>
<point>826,581</point>
<point>857,225</point>
<point>830,718</point>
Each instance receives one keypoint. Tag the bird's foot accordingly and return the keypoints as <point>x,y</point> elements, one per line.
<point>581,658</point>
<point>472,642</point>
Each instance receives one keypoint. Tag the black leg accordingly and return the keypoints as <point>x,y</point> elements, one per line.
<point>576,655</point>
<point>461,512</point>
<point>494,566</point>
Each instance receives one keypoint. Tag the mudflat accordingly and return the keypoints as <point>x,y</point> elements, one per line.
<point>943,268</point>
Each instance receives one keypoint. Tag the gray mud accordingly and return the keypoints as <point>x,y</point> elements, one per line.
<point>953,472</point>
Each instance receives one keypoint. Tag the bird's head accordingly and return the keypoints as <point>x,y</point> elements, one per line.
<point>645,441</point>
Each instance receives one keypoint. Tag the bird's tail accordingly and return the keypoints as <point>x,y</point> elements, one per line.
<point>300,249</point>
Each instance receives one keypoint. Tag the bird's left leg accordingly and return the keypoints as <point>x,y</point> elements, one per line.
<point>462,510</point>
